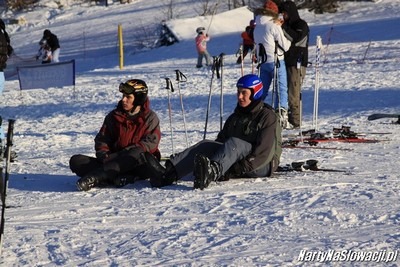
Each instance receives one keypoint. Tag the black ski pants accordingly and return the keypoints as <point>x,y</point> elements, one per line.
<point>125,162</point>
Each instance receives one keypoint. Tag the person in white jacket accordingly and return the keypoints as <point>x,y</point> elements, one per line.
<point>270,39</point>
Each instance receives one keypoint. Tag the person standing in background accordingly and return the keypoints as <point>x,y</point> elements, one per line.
<point>5,52</point>
<point>201,45</point>
<point>53,43</point>
<point>296,58</point>
<point>271,44</point>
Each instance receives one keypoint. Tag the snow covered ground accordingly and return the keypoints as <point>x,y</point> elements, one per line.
<point>254,222</point>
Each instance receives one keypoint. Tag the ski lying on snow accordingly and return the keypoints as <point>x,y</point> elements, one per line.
<point>308,165</point>
<point>377,116</point>
<point>290,145</point>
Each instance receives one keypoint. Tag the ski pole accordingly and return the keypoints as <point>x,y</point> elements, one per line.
<point>274,76</point>
<point>180,77</point>
<point>209,95</point>
<point>241,60</point>
<point>10,135</point>
<point>253,58</point>
<point>316,85</point>
<point>169,87</point>
<point>3,206</point>
<point>212,16</point>
<point>221,106</point>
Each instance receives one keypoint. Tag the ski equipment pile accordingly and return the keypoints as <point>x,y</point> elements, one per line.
<point>343,134</point>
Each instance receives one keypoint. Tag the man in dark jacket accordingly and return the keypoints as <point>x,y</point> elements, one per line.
<point>296,58</point>
<point>53,43</point>
<point>5,52</point>
<point>245,147</point>
<point>128,133</point>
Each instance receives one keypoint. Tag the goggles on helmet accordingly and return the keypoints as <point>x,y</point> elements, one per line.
<point>129,89</point>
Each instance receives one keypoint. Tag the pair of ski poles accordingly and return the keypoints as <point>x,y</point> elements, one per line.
<point>218,63</point>
<point>252,58</point>
<point>275,79</point>
<point>180,77</point>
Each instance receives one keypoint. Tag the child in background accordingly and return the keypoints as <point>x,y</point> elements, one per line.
<point>44,52</point>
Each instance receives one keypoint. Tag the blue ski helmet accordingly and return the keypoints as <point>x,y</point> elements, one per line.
<point>252,82</point>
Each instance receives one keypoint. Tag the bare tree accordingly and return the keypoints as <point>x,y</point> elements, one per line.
<point>207,7</point>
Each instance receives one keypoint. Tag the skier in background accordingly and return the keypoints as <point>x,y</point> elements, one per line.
<point>247,44</point>
<point>54,44</point>
<point>296,58</point>
<point>201,45</point>
<point>129,135</point>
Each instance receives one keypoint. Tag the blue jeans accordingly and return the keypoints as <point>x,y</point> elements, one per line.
<point>266,76</point>
<point>207,56</point>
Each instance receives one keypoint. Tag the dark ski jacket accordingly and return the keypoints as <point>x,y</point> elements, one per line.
<point>297,31</point>
<point>124,131</point>
<point>255,124</point>
<point>52,40</point>
<point>5,47</point>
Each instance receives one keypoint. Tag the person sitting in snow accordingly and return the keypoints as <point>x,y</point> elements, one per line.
<point>247,146</point>
<point>201,45</point>
<point>130,134</point>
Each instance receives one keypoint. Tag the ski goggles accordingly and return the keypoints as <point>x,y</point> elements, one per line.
<point>126,89</point>
<point>129,89</point>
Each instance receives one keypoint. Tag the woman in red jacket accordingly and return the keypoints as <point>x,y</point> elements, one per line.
<point>129,134</point>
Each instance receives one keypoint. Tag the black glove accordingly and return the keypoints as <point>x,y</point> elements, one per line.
<point>235,171</point>
<point>102,156</point>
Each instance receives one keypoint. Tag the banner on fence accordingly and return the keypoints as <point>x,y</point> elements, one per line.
<point>47,75</point>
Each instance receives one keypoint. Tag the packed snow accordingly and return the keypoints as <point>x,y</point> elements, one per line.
<point>277,221</point>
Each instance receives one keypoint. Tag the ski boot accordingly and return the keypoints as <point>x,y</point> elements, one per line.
<point>160,176</point>
<point>91,180</point>
<point>310,164</point>
<point>205,171</point>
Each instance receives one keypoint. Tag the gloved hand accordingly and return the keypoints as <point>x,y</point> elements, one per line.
<point>236,170</point>
<point>102,156</point>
